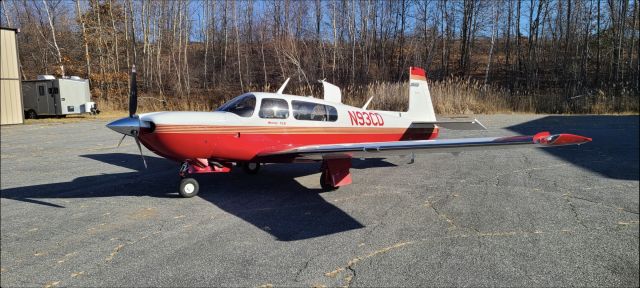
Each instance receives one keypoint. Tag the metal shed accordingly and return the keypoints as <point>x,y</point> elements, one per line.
<point>11,110</point>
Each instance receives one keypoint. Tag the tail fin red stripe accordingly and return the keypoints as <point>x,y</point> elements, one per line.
<point>417,71</point>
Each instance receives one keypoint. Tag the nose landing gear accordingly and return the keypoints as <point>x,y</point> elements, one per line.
<point>189,186</point>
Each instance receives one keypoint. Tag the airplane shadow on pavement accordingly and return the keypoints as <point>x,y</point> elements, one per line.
<point>613,153</point>
<point>272,200</point>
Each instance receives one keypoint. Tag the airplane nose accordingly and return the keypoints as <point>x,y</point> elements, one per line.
<point>128,126</point>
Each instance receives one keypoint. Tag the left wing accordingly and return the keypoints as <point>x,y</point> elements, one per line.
<point>399,148</point>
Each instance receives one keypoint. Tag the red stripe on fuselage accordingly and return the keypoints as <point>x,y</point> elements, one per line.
<point>180,145</point>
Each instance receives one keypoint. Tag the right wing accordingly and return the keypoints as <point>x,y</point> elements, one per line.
<point>399,148</point>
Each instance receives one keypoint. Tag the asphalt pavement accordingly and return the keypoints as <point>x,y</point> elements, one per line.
<point>77,211</point>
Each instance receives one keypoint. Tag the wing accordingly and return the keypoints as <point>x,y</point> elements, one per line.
<point>399,148</point>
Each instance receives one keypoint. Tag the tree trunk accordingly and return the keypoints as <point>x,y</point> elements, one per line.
<point>84,40</point>
<point>53,35</point>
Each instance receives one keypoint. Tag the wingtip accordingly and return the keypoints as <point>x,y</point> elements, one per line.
<point>546,138</point>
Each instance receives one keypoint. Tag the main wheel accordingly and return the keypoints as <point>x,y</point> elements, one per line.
<point>188,187</point>
<point>325,182</point>
<point>251,167</point>
<point>31,114</point>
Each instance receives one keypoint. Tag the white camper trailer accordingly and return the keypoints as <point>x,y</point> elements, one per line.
<point>48,96</point>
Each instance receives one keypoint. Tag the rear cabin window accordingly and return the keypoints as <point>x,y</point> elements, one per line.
<point>242,106</point>
<point>313,111</point>
<point>41,90</point>
<point>274,108</point>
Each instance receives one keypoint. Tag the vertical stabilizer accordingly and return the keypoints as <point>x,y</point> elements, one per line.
<point>420,106</point>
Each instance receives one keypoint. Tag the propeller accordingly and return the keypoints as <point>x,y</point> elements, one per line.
<point>130,126</point>
<point>140,149</point>
<point>122,139</point>
<point>133,107</point>
<point>133,93</point>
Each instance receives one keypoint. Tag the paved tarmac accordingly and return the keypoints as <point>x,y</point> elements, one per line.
<point>76,211</point>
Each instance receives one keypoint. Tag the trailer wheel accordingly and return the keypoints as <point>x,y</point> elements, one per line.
<point>31,114</point>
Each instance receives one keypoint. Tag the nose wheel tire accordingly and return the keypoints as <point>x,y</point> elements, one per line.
<point>251,167</point>
<point>188,187</point>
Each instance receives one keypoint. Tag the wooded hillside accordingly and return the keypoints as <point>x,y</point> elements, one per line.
<point>533,55</point>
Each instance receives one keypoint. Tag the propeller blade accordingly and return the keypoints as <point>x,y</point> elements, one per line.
<point>121,139</point>
<point>133,93</point>
<point>140,148</point>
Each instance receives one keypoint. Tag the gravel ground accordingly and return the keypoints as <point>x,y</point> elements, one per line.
<point>76,211</point>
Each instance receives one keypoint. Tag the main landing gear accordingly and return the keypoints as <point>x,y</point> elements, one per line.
<point>335,173</point>
<point>251,167</point>
<point>189,186</point>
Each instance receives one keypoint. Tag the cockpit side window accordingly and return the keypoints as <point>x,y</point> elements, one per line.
<point>274,108</point>
<point>313,111</point>
<point>242,106</point>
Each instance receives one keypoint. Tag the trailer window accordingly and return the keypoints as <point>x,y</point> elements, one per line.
<point>313,111</point>
<point>242,106</point>
<point>41,90</point>
<point>274,108</point>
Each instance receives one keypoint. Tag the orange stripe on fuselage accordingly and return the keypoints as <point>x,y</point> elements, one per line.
<point>210,129</point>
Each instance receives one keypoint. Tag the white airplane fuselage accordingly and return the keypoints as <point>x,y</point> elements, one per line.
<point>224,135</point>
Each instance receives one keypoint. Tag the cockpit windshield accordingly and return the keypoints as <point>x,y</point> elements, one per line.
<point>243,105</point>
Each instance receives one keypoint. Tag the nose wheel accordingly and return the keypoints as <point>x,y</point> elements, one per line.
<point>188,187</point>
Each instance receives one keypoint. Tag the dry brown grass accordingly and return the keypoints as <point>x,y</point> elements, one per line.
<point>452,96</point>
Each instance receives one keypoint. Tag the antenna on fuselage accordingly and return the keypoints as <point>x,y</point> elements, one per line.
<point>367,104</point>
<point>283,86</point>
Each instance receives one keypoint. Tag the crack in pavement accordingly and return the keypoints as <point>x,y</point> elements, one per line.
<point>306,264</point>
<point>573,209</point>
<point>450,221</point>
<point>600,203</point>
<point>354,261</point>
<point>350,278</point>
<point>350,267</point>
<point>304,267</point>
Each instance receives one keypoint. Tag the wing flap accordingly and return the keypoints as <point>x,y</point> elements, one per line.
<point>399,148</point>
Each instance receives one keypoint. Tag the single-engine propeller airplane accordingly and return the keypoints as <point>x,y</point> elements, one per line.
<point>260,127</point>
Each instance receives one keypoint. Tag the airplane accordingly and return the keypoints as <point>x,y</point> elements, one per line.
<point>260,127</point>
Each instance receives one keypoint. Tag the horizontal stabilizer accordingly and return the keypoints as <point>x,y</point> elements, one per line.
<point>451,125</point>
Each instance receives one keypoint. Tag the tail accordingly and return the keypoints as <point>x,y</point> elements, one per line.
<point>420,106</point>
<point>421,109</point>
